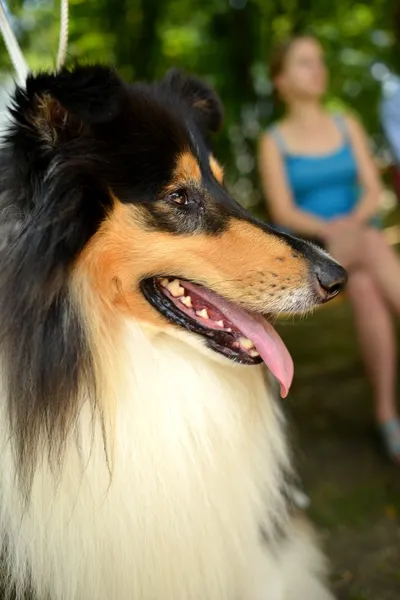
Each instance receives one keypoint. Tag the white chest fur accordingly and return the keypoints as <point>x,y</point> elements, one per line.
<point>196,461</point>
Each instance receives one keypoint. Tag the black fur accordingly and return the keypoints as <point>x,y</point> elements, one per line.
<point>205,105</point>
<point>74,137</point>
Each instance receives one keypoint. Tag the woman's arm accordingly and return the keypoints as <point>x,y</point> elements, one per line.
<point>278,194</point>
<point>368,204</point>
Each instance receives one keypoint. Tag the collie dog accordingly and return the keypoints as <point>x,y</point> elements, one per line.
<point>142,453</point>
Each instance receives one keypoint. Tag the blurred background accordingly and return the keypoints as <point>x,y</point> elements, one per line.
<point>355,493</point>
<point>227,42</point>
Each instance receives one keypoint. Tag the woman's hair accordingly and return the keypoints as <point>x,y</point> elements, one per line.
<point>278,57</point>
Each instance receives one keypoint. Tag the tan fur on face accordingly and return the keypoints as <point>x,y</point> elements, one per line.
<point>244,264</point>
<point>216,169</point>
<point>186,173</point>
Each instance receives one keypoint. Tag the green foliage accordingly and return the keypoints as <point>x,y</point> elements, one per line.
<point>225,41</point>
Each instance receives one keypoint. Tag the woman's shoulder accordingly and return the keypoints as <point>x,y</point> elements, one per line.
<point>347,118</point>
<point>355,129</point>
<point>272,135</point>
<point>274,126</point>
<point>349,124</point>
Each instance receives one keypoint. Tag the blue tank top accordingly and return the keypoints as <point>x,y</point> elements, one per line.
<point>326,186</point>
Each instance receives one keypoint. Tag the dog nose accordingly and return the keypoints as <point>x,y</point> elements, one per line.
<point>331,278</point>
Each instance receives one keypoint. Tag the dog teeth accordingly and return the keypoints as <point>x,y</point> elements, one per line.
<point>245,343</point>
<point>175,289</point>
<point>219,323</point>
<point>186,301</point>
<point>164,282</point>
<point>229,330</point>
<point>202,313</point>
<point>254,353</point>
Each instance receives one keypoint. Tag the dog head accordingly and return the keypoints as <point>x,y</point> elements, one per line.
<point>111,192</point>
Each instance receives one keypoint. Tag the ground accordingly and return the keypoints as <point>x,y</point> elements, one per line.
<point>354,489</point>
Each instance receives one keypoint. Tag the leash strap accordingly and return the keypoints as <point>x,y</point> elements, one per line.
<point>64,29</point>
<point>14,50</point>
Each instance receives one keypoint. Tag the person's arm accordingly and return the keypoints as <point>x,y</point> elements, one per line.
<point>278,194</point>
<point>368,204</point>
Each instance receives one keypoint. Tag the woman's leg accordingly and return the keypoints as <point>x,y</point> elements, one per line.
<point>374,324</point>
<point>366,248</point>
<point>377,340</point>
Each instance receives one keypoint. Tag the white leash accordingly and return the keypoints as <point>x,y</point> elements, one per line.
<point>63,41</point>
<point>14,49</point>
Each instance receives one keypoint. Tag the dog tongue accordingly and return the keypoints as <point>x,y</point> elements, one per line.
<point>266,340</point>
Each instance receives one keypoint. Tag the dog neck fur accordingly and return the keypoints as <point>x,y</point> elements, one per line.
<point>193,466</point>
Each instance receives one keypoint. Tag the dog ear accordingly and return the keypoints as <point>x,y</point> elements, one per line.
<point>201,99</point>
<point>60,107</point>
<point>52,123</point>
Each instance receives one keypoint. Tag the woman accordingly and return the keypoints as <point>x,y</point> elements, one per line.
<point>321,183</point>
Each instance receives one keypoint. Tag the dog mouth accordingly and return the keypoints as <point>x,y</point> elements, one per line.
<point>239,335</point>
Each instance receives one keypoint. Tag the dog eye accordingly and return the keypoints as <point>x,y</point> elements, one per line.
<point>179,197</point>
